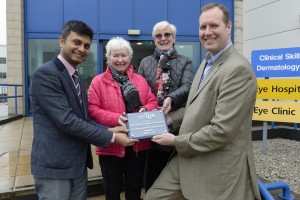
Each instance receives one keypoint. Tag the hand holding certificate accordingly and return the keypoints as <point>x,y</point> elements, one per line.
<point>144,125</point>
<point>166,139</point>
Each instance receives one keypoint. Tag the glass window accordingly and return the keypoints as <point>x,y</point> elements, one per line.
<point>43,50</point>
<point>88,69</point>
<point>142,49</point>
<point>2,60</point>
<point>2,75</point>
<point>39,52</point>
<point>191,50</point>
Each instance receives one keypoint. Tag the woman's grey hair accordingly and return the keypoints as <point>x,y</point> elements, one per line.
<point>162,25</point>
<point>117,43</point>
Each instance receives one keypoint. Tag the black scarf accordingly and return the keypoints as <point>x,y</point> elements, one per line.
<point>163,74</point>
<point>168,55</point>
<point>130,93</point>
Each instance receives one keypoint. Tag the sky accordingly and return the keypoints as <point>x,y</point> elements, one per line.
<point>2,22</point>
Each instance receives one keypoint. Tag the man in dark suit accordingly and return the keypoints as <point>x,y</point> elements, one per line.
<point>61,150</point>
<point>214,148</point>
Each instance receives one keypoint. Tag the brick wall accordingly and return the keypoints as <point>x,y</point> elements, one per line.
<point>15,52</point>
<point>238,26</point>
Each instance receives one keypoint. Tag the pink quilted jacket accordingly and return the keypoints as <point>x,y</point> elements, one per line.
<point>106,104</point>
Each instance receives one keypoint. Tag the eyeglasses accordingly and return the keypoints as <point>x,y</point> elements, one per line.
<point>166,35</point>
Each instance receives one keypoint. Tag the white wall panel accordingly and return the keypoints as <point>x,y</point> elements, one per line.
<point>255,4</point>
<point>278,41</point>
<point>270,25</point>
<point>274,18</point>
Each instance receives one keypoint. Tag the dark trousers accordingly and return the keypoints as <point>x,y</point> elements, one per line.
<point>156,161</point>
<point>119,173</point>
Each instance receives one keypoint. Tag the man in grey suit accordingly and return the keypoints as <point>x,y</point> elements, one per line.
<point>214,159</point>
<point>61,150</point>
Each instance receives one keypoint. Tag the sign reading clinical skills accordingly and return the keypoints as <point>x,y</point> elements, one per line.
<point>276,62</point>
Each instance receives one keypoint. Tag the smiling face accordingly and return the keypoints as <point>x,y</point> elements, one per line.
<point>119,60</point>
<point>75,48</point>
<point>214,34</point>
<point>164,39</point>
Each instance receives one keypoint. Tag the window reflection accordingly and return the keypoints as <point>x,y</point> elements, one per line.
<point>191,50</point>
<point>43,50</point>
<point>143,48</point>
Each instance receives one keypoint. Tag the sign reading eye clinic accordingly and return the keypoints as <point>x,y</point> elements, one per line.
<point>277,111</point>
<point>276,62</point>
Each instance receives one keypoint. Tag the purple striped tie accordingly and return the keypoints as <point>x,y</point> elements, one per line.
<point>77,86</point>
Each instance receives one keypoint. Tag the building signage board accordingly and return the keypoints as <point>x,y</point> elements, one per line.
<point>285,89</point>
<point>276,62</point>
<point>277,111</point>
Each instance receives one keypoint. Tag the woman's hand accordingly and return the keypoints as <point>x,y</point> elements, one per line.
<point>122,120</point>
<point>142,109</point>
<point>168,119</point>
<point>167,105</point>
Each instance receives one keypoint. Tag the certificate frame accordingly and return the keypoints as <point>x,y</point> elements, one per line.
<point>145,125</point>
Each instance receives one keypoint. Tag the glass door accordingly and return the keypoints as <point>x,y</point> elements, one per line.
<point>142,49</point>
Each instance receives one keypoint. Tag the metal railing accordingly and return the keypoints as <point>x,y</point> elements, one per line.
<point>15,96</point>
<point>266,195</point>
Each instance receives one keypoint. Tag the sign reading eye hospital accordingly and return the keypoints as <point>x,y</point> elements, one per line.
<point>287,89</point>
<point>276,62</point>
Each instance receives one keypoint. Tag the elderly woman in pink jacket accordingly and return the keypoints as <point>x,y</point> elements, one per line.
<point>111,94</point>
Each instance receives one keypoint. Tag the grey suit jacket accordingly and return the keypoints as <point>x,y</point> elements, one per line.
<point>214,144</point>
<point>62,128</point>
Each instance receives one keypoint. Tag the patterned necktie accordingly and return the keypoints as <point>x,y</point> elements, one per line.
<point>77,86</point>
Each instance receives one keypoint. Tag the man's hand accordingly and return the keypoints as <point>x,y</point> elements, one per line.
<point>167,105</point>
<point>124,140</point>
<point>119,129</point>
<point>166,139</point>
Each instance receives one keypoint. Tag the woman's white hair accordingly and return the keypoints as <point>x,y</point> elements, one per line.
<point>117,43</point>
<point>162,25</point>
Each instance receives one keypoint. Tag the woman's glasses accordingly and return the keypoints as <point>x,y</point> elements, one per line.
<point>166,35</point>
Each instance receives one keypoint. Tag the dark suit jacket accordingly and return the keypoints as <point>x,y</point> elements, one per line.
<point>62,128</point>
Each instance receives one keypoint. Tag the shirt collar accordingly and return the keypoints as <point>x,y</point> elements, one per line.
<point>68,66</point>
<point>211,59</point>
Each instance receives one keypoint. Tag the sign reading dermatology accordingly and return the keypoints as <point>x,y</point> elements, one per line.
<point>276,62</point>
<point>288,89</point>
<point>277,111</point>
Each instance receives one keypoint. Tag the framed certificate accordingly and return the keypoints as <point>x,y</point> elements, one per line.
<point>144,125</point>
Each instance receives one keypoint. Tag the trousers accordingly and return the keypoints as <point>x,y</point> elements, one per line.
<point>119,173</point>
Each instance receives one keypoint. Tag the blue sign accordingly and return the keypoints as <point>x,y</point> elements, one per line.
<point>276,62</point>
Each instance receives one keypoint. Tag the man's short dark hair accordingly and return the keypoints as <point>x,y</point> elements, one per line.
<point>226,14</point>
<point>78,27</point>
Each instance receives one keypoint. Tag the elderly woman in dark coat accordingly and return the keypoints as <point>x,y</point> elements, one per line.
<point>170,76</point>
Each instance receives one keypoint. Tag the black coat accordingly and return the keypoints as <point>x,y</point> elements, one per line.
<point>182,76</point>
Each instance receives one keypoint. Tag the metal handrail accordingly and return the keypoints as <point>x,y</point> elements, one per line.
<point>15,96</point>
<point>265,187</point>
